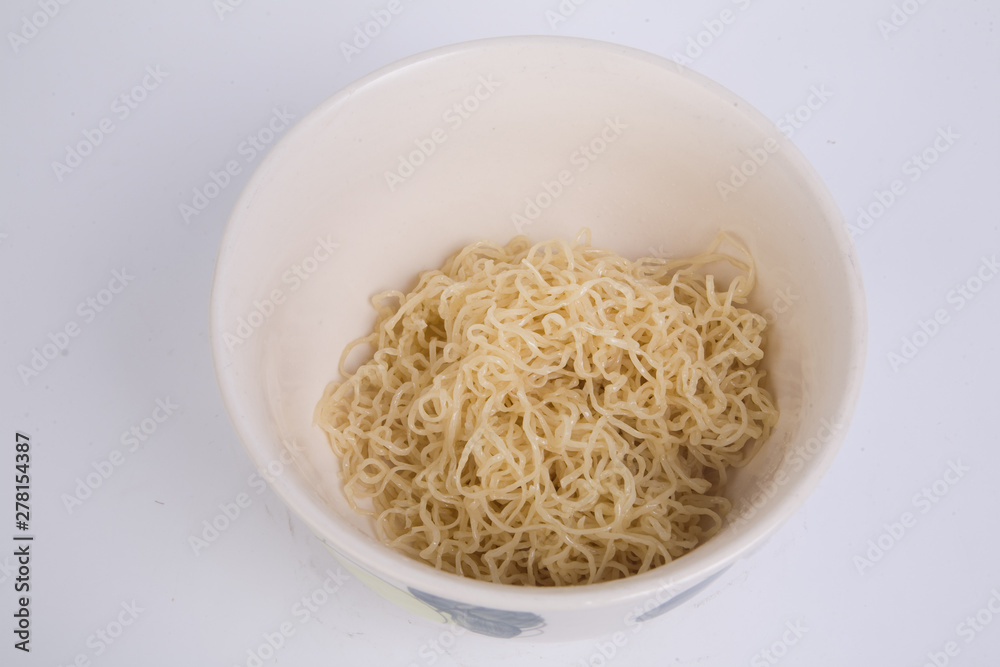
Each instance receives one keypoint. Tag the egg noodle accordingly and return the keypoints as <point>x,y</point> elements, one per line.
<point>553,414</point>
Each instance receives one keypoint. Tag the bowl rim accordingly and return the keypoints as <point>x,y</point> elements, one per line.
<point>387,564</point>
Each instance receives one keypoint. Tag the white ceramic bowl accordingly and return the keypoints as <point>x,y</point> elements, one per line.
<point>538,135</point>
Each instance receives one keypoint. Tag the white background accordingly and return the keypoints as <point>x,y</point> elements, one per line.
<point>888,90</point>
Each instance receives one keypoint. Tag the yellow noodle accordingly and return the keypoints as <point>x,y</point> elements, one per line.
<point>553,414</point>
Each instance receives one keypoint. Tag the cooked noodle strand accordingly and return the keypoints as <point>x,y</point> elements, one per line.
<point>553,414</point>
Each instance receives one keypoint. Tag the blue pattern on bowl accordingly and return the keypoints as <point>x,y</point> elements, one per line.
<point>483,620</point>
<point>677,600</point>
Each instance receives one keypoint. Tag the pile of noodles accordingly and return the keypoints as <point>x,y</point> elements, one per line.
<point>553,414</point>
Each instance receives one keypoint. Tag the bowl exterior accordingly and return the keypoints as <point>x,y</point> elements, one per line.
<point>549,625</point>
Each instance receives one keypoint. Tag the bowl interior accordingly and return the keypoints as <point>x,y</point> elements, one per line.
<point>541,136</point>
